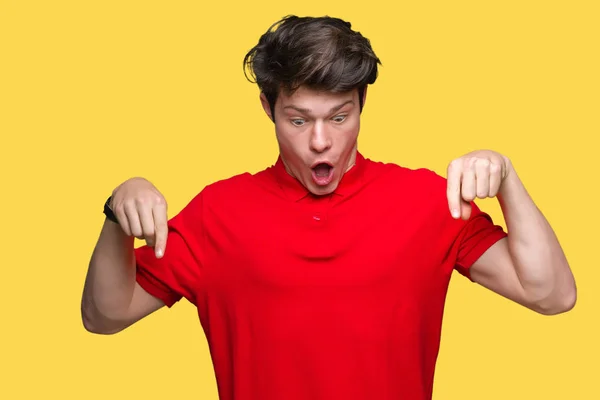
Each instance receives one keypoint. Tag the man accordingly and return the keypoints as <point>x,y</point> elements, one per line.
<point>323,276</point>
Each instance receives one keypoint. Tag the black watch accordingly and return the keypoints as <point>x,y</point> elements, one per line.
<point>109,212</point>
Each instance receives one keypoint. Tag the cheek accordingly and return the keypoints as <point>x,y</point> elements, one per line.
<point>289,145</point>
<point>350,133</point>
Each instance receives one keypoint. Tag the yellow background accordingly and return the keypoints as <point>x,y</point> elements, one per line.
<point>92,93</point>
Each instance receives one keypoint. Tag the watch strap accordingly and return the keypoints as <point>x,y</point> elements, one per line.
<point>109,212</point>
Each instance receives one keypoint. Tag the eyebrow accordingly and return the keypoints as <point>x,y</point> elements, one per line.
<point>307,111</point>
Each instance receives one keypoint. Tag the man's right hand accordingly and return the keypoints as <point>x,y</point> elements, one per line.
<point>142,212</point>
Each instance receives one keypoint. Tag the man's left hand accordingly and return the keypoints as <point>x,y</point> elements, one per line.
<point>479,174</point>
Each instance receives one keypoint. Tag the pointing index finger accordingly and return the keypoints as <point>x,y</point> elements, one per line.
<point>161,229</point>
<point>453,188</point>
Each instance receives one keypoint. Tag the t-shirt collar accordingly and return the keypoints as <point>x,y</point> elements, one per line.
<point>295,191</point>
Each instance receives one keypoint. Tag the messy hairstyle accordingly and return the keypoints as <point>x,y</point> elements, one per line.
<point>321,53</point>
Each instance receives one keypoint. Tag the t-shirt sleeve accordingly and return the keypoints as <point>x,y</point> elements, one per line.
<point>178,274</point>
<point>463,241</point>
<point>474,238</point>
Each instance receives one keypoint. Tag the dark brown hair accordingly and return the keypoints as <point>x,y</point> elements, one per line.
<point>321,53</point>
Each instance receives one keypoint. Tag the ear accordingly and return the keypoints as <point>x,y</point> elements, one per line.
<point>364,99</point>
<point>265,105</point>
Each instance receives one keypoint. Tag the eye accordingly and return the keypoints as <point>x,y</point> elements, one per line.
<point>339,118</point>
<point>297,122</point>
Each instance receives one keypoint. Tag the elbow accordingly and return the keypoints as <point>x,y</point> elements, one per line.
<point>560,304</point>
<point>90,325</point>
<point>94,325</point>
<point>567,302</point>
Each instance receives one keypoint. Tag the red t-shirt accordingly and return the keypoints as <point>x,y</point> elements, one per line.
<point>308,298</point>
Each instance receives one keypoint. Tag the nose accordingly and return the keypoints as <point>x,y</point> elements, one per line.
<point>320,139</point>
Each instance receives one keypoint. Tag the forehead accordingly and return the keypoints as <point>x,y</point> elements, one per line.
<point>305,96</point>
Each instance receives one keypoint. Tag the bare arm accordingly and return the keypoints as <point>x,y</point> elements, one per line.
<point>112,300</point>
<point>529,267</point>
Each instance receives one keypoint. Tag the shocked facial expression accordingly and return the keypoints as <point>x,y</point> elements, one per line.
<point>317,134</point>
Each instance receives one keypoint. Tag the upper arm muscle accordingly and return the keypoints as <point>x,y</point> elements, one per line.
<point>495,271</point>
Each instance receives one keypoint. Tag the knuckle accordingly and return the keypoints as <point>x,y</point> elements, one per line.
<point>119,209</point>
<point>129,203</point>
<point>137,233</point>
<point>456,163</point>
<point>160,200</point>
<point>468,195</point>
<point>140,201</point>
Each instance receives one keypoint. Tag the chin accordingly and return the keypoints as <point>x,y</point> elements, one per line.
<point>322,190</point>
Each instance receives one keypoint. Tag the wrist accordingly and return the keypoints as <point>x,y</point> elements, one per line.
<point>512,193</point>
<point>108,212</point>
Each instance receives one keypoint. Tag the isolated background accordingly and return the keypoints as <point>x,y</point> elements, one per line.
<point>93,93</point>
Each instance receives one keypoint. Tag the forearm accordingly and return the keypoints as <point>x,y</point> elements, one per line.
<point>110,281</point>
<point>539,261</point>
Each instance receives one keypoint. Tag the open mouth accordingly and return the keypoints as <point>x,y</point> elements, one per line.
<point>322,173</point>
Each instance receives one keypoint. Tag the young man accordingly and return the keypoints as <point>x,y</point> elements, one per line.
<point>323,276</point>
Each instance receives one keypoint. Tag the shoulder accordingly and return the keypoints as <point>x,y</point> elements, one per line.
<point>416,178</point>
<point>420,191</point>
<point>214,193</point>
<point>233,191</point>
<point>226,188</point>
